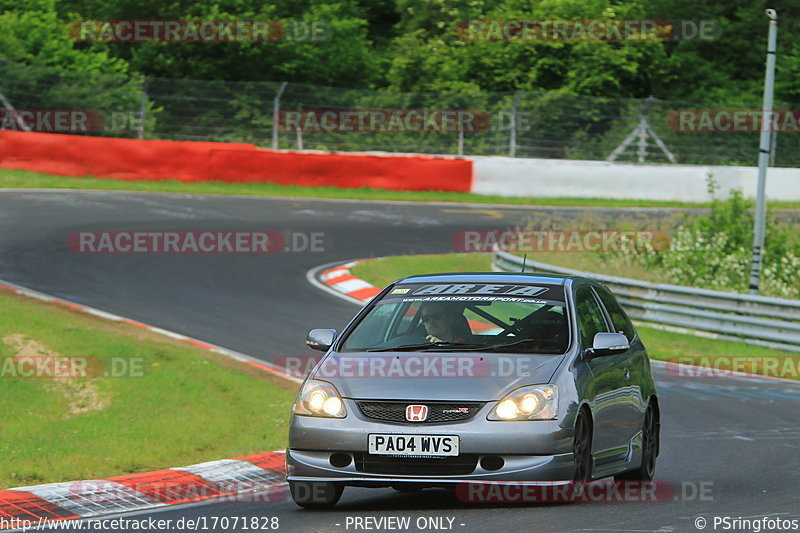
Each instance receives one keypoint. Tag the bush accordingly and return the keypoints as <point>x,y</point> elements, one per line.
<point>714,250</point>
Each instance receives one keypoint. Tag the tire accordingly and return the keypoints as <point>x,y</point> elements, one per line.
<point>582,448</point>
<point>650,438</point>
<point>315,494</point>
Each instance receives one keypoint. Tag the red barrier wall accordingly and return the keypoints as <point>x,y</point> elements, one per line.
<point>130,159</point>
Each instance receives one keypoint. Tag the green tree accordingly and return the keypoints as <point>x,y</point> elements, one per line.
<point>344,56</point>
<point>32,33</point>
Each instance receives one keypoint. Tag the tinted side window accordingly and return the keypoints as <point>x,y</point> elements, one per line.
<point>618,317</point>
<point>590,317</point>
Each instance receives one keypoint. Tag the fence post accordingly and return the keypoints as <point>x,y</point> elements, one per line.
<point>276,110</point>
<point>299,138</point>
<point>460,139</point>
<point>142,110</point>
<point>512,140</point>
<point>642,130</point>
<point>642,151</point>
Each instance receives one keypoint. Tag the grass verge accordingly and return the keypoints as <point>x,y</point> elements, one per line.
<point>25,179</point>
<point>171,404</point>
<point>661,345</point>
<point>600,263</point>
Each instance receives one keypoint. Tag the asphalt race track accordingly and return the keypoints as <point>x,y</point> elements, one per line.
<point>730,447</point>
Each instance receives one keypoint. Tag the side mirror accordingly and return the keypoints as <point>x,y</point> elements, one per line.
<point>607,344</point>
<point>320,339</point>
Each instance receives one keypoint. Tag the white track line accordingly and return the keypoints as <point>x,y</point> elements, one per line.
<point>278,371</point>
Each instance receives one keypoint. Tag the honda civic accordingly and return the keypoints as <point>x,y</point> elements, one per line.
<point>449,379</point>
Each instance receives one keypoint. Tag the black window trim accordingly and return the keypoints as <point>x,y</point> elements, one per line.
<point>608,314</point>
<point>608,322</point>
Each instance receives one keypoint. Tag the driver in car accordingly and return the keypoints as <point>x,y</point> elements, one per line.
<point>445,323</point>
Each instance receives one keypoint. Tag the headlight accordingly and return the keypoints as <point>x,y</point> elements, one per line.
<point>537,402</point>
<point>319,398</point>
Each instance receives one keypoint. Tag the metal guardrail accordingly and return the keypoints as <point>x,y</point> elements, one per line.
<point>760,320</point>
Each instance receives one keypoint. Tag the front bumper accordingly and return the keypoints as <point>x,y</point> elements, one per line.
<point>535,451</point>
<point>315,466</point>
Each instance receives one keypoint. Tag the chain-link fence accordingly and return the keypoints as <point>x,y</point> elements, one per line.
<point>297,116</point>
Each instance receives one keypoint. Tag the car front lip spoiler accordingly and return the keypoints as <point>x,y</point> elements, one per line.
<point>427,480</point>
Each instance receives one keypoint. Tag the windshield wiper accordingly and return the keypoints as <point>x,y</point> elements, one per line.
<point>508,345</point>
<point>427,345</point>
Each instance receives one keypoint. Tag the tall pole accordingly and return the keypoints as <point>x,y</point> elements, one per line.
<point>763,155</point>
<point>773,147</point>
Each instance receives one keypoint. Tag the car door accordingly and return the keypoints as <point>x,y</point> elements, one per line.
<point>635,365</point>
<point>607,390</point>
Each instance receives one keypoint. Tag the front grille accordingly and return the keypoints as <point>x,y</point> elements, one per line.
<point>415,466</point>
<point>394,411</point>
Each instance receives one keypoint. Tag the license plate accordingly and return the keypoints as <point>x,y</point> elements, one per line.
<point>419,445</point>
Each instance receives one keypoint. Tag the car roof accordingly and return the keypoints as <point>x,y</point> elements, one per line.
<point>490,277</point>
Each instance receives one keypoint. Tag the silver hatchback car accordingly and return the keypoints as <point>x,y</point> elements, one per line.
<point>472,378</point>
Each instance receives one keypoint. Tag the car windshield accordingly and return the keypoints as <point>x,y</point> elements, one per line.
<point>501,317</point>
